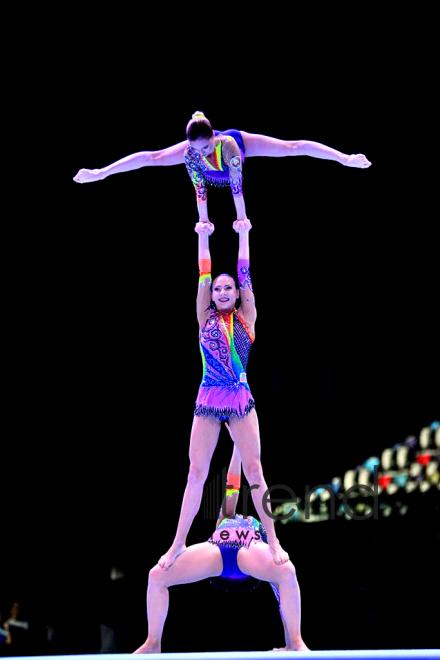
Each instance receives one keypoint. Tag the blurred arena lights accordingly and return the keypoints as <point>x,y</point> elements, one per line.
<point>406,472</point>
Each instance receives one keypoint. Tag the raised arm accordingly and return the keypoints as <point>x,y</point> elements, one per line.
<point>204,230</point>
<point>196,175</point>
<point>171,156</point>
<point>247,309</point>
<point>232,157</point>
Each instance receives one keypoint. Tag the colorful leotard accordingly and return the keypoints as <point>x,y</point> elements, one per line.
<point>230,536</point>
<point>202,171</point>
<point>225,343</point>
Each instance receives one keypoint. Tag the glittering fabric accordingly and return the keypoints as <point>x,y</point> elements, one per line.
<point>231,535</point>
<point>244,276</point>
<point>195,171</point>
<point>205,272</point>
<point>237,184</point>
<point>224,345</point>
<point>204,279</point>
<point>202,171</point>
<point>232,132</point>
<point>237,532</point>
<point>241,532</point>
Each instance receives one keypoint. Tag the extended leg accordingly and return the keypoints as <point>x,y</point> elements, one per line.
<point>246,436</point>
<point>263,145</point>
<point>199,562</point>
<point>257,561</point>
<point>170,156</point>
<point>204,437</point>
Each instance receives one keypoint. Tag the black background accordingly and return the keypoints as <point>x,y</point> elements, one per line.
<point>104,342</point>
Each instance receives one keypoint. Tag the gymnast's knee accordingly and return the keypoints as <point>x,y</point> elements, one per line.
<point>197,474</point>
<point>155,576</point>
<point>287,572</point>
<point>253,471</point>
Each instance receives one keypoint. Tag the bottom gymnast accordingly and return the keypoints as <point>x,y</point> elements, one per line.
<point>235,558</point>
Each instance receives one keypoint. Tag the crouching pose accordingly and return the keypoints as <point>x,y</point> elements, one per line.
<point>235,558</point>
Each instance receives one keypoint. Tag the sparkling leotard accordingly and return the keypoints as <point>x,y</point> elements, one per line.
<point>225,344</point>
<point>231,535</point>
<point>202,171</point>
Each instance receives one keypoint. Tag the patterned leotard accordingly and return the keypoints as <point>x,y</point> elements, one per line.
<point>217,173</point>
<point>225,343</point>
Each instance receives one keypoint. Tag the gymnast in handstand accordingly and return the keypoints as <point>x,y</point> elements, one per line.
<point>226,337</point>
<point>235,558</point>
<point>216,158</point>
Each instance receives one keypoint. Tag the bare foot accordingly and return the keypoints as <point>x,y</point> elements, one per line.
<point>357,160</point>
<point>280,556</point>
<point>148,647</point>
<point>300,646</point>
<point>86,176</point>
<point>169,557</point>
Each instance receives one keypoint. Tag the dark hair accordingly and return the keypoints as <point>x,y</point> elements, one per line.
<point>211,302</point>
<point>227,275</point>
<point>198,127</point>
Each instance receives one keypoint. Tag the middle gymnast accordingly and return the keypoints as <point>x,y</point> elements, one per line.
<point>226,338</point>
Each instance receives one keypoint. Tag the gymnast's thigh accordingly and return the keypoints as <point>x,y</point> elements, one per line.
<point>171,155</point>
<point>258,562</point>
<point>263,145</point>
<point>198,562</point>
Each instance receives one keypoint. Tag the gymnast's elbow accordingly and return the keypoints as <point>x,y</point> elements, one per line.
<point>299,147</point>
<point>150,158</point>
<point>155,157</point>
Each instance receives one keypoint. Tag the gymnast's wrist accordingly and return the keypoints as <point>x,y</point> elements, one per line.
<point>102,174</point>
<point>203,211</point>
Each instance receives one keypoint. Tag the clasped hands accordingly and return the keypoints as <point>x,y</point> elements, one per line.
<point>241,225</point>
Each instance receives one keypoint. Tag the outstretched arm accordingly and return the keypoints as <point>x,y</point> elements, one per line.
<point>171,156</point>
<point>232,157</point>
<point>237,193</point>
<point>204,230</point>
<point>247,310</point>
<point>195,171</point>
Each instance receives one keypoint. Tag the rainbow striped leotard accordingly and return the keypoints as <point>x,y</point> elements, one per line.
<point>225,344</point>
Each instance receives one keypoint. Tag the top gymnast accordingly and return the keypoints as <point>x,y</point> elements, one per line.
<point>226,337</point>
<point>216,158</point>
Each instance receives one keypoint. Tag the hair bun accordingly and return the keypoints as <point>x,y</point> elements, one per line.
<point>197,114</point>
